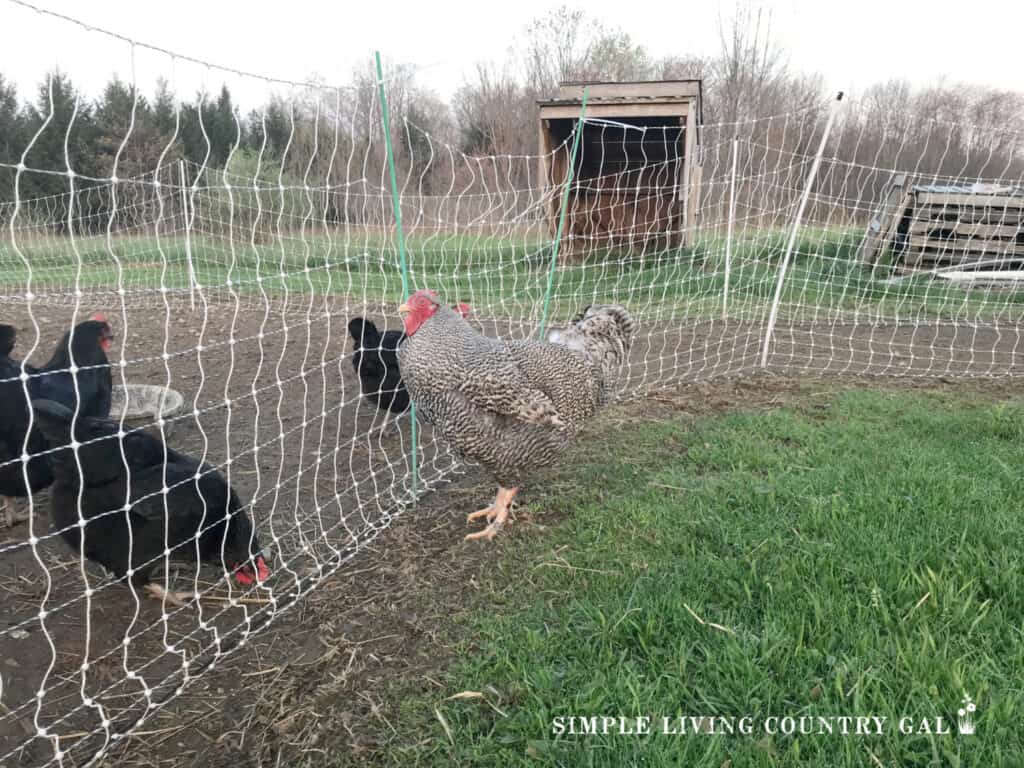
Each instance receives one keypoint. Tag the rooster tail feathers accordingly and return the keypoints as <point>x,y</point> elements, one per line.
<point>625,325</point>
<point>599,330</point>
<point>603,334</point>
<point>363,332</point>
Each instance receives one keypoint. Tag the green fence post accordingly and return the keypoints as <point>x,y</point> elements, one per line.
<point>400,235</point>
<point>561,215</point>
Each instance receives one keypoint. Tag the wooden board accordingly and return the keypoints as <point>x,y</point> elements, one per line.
<point>617,110</point>
<point>668,89</point>
<point>893,210</point>
<point>974,201</point>
<point>966,228</point>
<point>968,214</point>
<point>997,248</point>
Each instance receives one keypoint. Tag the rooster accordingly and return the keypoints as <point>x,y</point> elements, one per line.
<point>173,501</point>
<point>512,406</point>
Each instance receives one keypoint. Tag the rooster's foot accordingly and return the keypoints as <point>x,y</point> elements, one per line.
<point>489,511</point>
<point>487,533</point>
<point>496,514</point>
<point>13,511</point>
<point>178,599</point>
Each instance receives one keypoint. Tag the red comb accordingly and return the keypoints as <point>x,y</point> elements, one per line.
<point>463,309</point>
<point>99,317</point>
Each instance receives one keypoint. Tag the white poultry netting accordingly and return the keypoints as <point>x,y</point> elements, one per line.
<point>233,285</point>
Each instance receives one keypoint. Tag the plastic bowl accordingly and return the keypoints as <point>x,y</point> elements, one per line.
<point>144,404</point>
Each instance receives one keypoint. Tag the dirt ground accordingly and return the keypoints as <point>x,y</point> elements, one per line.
<point>361,593</point>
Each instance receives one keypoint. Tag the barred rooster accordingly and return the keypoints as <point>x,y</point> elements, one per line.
<point>512,406</point>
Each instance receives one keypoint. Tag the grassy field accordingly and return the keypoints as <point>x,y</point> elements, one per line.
<point>852,552</point>
<point>825,279</point>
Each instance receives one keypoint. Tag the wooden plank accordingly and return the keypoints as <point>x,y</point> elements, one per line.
<point>950,198</point>
<point>967,228</point>
<point>544,163</point>
<point>969,214</point>
<point>612,111</point>
<point>679,89</point>
<point>689,156</point>
<point>972,245</point>
<point>696,187</point>
<point>977,261</point>
<point>894,208</point>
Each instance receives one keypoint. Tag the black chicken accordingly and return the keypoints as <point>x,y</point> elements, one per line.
<point>375,361</point>
<point>86,347</point>
<point>14,419</point>
<point>203,519</point>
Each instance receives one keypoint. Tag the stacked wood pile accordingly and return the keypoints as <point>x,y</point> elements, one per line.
<point>967,226</point>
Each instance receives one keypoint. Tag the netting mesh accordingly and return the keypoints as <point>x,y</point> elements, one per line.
<point>233,284</point>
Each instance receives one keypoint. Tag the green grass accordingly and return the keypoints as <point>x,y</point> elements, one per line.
<point>825,279</point>
<point>862,552</point>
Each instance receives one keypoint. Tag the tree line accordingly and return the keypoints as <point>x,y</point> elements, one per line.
<point>494,112</point>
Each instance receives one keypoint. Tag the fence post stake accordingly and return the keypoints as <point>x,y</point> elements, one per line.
<point>728,231</point>
<point>400,237</point>
<point>784,266</point>
<point>561,215</point>
<point>188,237</point>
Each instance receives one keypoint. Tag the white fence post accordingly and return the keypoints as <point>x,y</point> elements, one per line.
<point>728,232</point>
<point>784,266</point>
<point>188,237</point>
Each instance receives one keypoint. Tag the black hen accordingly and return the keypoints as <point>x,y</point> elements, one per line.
<point>86,347</point>
<point>14,418</point>
<point>375,361</point>
<point>203,518</point>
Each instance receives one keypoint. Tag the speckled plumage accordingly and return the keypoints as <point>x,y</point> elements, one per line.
<point>513,406</point>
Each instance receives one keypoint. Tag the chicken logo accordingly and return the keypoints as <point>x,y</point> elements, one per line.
<point>965,716</point>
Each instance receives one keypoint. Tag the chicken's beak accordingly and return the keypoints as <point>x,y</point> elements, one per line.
<point>403,309</point>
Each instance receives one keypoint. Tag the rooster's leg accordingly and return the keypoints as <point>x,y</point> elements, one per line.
<point>497,514</point>
<point>174,598</point>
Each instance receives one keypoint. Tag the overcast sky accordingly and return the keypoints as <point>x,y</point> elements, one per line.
<point>851,43</point>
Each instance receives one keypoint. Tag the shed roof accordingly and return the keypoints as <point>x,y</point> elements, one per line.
<point>635,92</point>
<point>644,97</point>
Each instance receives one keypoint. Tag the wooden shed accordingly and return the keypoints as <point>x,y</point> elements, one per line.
<point>637,174</point>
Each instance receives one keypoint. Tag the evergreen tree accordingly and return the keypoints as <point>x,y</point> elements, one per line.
<point>12,138</point>
<point>276,117</point>
<point>126,124</point>
<point>223,128</point>
<point>164,108</point>
<point>55,108</point>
